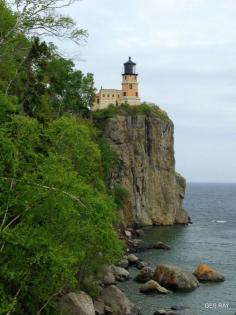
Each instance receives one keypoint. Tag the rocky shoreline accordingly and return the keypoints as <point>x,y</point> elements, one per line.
<point>164,279</point>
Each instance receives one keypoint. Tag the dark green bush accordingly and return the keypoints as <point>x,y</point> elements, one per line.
<point>121,195</point>
<point>125,109</point>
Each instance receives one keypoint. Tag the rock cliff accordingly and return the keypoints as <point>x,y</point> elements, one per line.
<point>144,142</point>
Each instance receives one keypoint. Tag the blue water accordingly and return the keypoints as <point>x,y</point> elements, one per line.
<point>211,240</point>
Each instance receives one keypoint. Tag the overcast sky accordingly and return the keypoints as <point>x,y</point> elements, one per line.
<point>185,52</point>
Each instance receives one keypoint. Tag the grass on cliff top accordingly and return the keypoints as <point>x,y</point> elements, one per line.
<point>125,109</point>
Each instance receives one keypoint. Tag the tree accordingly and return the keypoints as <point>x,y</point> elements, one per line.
<point>56,219</point>
<point>22,19</point>
<point>33,17</point>
<point>70,89</point>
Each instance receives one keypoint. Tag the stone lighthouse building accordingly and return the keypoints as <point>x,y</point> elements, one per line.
<point>128,94</point>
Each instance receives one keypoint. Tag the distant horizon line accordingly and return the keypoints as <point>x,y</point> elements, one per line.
<point>203,182</point>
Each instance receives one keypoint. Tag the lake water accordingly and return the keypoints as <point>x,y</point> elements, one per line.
<point>211,240</point>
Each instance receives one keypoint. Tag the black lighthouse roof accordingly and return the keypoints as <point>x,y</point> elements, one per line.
<point>130,62</point>
<point>129,67</point>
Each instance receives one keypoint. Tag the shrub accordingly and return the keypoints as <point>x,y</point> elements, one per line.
<point>125,109</point>
<point>121,195</point>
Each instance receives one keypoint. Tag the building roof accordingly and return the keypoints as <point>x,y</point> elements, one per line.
<point>130,62</point>
<point>109,90</point>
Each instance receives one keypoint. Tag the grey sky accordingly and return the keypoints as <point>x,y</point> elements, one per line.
<point>185,52</point>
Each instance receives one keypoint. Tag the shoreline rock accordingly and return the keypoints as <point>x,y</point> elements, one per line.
<point>153,287</point>
<point>77,303</point>
<point>120,274</point>
<point>175,278</point>
<point>204,273</point>
<point>118,301</point>
<point>144,275</point>
<point>138,248</point>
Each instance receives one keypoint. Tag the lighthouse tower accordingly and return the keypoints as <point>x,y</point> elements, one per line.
<point>130,92</point>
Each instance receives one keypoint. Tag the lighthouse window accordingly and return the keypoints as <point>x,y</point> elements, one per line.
<point>130,86</point>
<point>124,93</point>
<point>103,95</point>
<point>113,95</point>
<point>108,95</point>
<point>136,93</point>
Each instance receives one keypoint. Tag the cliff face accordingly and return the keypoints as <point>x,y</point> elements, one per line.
<point>145,145</point>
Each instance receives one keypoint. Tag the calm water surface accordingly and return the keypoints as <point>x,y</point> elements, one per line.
<point>211,240</point>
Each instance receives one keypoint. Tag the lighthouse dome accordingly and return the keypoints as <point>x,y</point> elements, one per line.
<point>129,67</point>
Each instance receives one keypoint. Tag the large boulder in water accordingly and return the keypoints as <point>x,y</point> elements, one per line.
<point>144,275</point>
<point>153,287</point>
<point>204,273</point>
<point>77,304</point>
<point>175,278</point>
<point>117,300</point>
<point>161,245</point>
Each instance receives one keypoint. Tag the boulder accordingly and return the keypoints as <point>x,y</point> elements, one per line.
<point>99,307</point>
<point>108,310</point>
<point>139,233</point>
<point>152,286</point>
<point>131,230</point>
<point>117,300</point>
<point>128,234</point>
<point>137,242</point>
<point>161,245</point>
<point>134,245</point>
<point>132,259</point>
<point>124,263</point>
<point>77,304</point>
<point>109,279</point>
<point>141,264</point>
<point>204,273</point>
<point>120,273</point>
<point>175,278</point>
<point>144,275</point>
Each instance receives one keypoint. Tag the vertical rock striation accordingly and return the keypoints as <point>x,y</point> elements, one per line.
<point>145,145</point>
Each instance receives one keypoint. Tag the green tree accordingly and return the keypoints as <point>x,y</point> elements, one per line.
<point>33,17</point>
<point>70,89</point>
<point>54,223</point>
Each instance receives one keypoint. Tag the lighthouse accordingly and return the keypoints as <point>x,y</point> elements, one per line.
<point>128,94</point>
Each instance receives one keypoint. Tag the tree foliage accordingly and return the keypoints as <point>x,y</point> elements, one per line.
<point>56,213</point>
<point>56,217</point>
<point>34,17</point>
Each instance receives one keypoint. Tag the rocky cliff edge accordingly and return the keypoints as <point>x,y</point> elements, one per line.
<point>144,142</point>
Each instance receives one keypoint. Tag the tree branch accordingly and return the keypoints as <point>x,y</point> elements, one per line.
<point>7,208</point>
<point>71,196</point>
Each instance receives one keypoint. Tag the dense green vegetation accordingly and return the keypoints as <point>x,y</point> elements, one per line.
<point>56,213</point>
<point>125,109</point>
